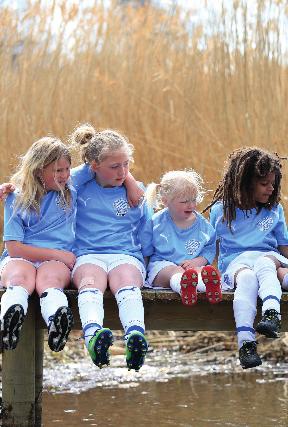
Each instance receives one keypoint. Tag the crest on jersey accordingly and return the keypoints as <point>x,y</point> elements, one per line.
<point>121,207</point>
<point>192,246</point>
<point>265,223</point>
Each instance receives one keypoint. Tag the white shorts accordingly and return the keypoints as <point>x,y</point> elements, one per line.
<point>246,259</point>
<point>109,261</point>
<point>36,264</point>
<point>154,268</point>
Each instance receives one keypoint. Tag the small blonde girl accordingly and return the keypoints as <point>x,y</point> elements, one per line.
<point>39,224</point>
<point>179,240</point>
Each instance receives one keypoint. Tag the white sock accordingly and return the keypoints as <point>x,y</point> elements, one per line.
<point>14,295</point>
<point>175,282</point>
<point>269,286</point>
<point>131,310</point>
<point>50,300</point>
<point>285,282</point>
<point>244,305</point>
<point>91,310</point>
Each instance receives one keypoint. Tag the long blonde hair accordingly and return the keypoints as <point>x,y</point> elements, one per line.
<point>98,145</point>
<point>31,189</point>
<point>183,183</point>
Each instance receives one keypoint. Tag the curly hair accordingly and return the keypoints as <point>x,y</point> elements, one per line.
<point>242,167</point>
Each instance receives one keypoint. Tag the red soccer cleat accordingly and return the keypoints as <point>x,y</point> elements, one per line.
<point>189,282</point>
<point>212,281</point>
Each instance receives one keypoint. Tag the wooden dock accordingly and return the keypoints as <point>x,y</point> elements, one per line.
<point>22,369</point>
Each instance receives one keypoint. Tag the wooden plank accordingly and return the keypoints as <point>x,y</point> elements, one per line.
<point>164,311</point>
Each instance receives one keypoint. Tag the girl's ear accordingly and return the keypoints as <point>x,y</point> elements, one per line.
<point>164,201</point>
<point>94,165</point>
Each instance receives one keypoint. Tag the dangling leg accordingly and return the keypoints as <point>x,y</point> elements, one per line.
<point>91,281</point>
<point>52,277</point>
<point>270,292</point>
<point>244,306</point>
<point>125,281</point>
<point>18,277</point>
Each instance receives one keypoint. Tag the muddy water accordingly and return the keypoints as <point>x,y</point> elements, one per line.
<point>168,391</point>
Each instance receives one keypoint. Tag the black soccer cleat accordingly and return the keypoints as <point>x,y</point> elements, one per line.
<point>59,328</point>
<point>11,326</point>
<point>248,356</point>
<point>270,324</point>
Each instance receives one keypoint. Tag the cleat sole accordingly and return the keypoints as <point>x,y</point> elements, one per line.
<point>188,283</point>
<point>60,328</point>
<point>212,280</point>
<point>11,326</point>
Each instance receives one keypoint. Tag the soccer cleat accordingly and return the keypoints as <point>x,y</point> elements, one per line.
<point>98,347</point>
<point>11,326</point>
<point>136,349</point>
<point>188,283</point>
<point>212,281</point>
<point>270,324</point>
<point>59,328</point>
<point>248,356</point>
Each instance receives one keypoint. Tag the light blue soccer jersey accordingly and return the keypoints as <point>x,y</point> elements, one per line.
<point>163,240</point>
<point>250,232</point>
<point>106,224</point>
<point>53,227</point>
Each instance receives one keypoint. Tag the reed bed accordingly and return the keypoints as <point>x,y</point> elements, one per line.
<point>185,90</point>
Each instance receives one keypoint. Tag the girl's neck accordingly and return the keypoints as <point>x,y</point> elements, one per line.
<point>184,223</point>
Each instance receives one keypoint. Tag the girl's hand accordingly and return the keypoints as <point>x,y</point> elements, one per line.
<point>5,189</point>
<point>135,198</point>
<point>68,258</point>
<point>193,263</point>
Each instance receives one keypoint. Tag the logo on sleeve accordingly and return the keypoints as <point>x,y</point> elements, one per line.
<point>192,246</point>
<point>265,223</point>
<point>121,207</point>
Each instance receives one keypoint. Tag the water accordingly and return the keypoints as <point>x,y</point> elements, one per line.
<point>169,390</point>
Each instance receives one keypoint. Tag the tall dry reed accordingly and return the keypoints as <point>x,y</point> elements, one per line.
<point>185,93</point>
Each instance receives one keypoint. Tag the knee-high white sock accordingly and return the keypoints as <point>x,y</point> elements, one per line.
<point>269,286</point>
<point>244,305</point>
<point>285,282</point>
<point>91,311</point>
<point>14,295</point>
<point>131,310</point>
<point>50,300</point>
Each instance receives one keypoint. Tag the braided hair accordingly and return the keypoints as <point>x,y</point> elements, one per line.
<point>235,189</point>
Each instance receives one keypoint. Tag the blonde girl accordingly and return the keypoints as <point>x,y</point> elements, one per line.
<point>182,242</point>
<point>108,245</point>
<point>39,221</point>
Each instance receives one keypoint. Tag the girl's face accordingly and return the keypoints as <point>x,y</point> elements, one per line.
<point>55,176</point>
<point>263,188</point>
<point>113,170</point>
<point>181,208</point>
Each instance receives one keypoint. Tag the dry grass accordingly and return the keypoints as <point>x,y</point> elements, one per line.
<point>185,94</point>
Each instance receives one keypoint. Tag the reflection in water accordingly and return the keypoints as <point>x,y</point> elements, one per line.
<point>178,394</point>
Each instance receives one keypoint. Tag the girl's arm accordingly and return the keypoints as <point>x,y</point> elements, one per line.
<point>199,261</point>
<point>283,250</point>
<point>17,249</point>
<point>135,194</point>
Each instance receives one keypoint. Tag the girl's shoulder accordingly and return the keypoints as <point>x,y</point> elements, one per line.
<point>160,215</point>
